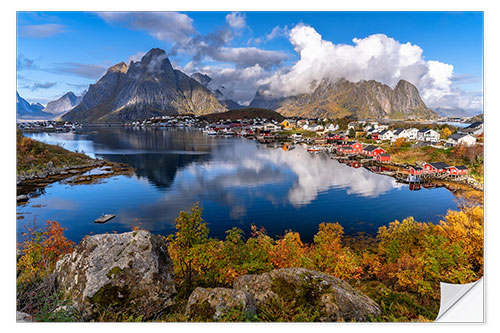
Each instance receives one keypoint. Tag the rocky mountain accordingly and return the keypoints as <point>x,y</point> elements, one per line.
<point>476,118</point>
<point>147,88</point>
<point>205,80</point>
<point>363,99</point>
<point>30,111</point>
<point>63,104</point>
<point>453,112</point>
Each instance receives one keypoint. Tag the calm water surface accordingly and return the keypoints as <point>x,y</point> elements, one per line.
<point>237,182</point>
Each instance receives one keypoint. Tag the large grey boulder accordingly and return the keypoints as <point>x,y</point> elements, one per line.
<point>129,272</point>
<point>22,317</point>
<point>299,294</point>
<point>220,304</point>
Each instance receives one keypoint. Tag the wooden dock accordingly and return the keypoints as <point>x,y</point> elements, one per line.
<point>105,218</point>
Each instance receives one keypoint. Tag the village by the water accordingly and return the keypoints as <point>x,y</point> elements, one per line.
<point>357,143</point>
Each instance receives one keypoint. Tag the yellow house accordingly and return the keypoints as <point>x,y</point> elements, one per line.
<point>285,124</point>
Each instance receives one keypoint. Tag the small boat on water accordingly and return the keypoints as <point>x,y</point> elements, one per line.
<point>313,149</point>
<point>210,132</point>
<point>104,218</point>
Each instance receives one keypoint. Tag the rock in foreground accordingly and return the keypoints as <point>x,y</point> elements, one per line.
<point>207,304</point>
<point>130,273</point>
<point>299,294</point>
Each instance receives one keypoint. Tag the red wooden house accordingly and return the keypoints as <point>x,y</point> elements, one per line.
<point>436,167</point>
<point>375,136</point>
<point>457,170</point>
<point>383,158</point>
<point>414,171</point>
<point>351,147</point>
<point>372,151</point>
<point>414,187</point>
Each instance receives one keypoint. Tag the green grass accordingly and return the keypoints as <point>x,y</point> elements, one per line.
<point>34,156</point>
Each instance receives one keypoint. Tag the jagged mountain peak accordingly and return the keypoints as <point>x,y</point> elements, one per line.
<point>341,97</point>
<point>119,67</point>
<point>149,87</point>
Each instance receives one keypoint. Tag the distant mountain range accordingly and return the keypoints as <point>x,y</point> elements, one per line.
<point>454,112</point>
<point>363,99</point>
<point>54,109</point>
<point>205,80</point>
<point>64,103</point>
<point>31,111</point>
<point>147,88</point>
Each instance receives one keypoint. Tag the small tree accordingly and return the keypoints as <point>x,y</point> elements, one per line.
<point>192,231</point>
<point>445,132</point>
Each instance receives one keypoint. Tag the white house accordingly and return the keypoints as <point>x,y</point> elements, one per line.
<point>411,133</point>
<point>332,128</point>
<point>271,127</point>
<point>473,129</point>
<point>428,135</point>
<point>386,135</point>
<point>461,138</point>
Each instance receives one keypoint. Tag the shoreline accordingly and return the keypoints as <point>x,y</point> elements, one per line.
<point>73,175</point>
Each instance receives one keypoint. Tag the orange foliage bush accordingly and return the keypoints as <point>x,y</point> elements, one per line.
<point>41,250</point>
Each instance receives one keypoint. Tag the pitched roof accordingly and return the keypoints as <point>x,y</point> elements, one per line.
<point>370,148</point>
<point>461,167</point>
<point>423,130</point>
<point>385,155</point>
<point>457,136</point>
<point>439,165</point>
<point>398,131</point>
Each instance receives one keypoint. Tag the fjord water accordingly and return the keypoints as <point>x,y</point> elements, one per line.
<point>238,182</point>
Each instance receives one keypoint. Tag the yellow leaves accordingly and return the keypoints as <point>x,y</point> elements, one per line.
<point>288,251</point>
<point>41,251</point>
<point>465,227</point>
<point>446,132</point>
<point>417,256</point>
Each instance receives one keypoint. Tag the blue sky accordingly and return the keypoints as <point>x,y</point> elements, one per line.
<point>62,51</point>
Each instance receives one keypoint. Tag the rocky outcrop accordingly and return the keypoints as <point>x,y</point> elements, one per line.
<point>143,89</point>
<point>293,289</point>
<point>207,304</point>
<point>129,272</point>
<point>363,99</point>
<point>22,317</point>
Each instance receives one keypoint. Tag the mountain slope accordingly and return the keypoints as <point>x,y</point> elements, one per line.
<point>363,99</point>
<point>30,111</point>
<point>63,104</point>
<point>205,80</point>
<point>150,87</point>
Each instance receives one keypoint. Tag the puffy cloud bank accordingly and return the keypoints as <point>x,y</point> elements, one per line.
<point>376,57</point>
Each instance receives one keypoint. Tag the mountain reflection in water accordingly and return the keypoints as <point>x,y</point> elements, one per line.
<point>237,181</point>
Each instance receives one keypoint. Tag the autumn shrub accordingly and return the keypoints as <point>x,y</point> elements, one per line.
<point>416,257</point>
<point>289,251</point>
<point>328,255</point>
<point>192,232</point>
<point>40,251</point>
<point>36,288</point>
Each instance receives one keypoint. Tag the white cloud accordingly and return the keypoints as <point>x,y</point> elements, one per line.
<point>236,20</point>
<point>135,57</point>
<point>238,84</point>
<point>376,57</point>
<point>164,26</point>
<point>41,30</point>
